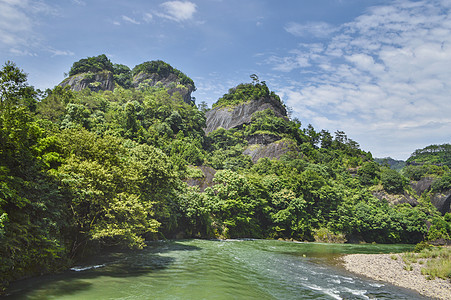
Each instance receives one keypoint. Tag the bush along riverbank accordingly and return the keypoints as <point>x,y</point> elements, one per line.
<point>427,271</point>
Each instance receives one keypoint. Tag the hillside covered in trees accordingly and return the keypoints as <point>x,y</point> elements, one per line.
<point>96,168</point>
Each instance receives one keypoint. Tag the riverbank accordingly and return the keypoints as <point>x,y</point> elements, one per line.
<point>384,267</point>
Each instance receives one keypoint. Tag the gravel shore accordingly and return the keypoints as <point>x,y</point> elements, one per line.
<point>382,267</point>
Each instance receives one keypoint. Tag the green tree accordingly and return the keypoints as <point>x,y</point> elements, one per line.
<point>392,181</point>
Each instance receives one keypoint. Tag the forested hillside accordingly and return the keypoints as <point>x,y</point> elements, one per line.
<point>84,170</point>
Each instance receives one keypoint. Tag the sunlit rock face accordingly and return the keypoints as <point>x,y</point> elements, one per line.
<point>236,116</point>
<point>101,81</point>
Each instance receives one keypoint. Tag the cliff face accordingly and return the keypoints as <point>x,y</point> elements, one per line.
<point>101,81</point>
<point>170,82</point>
<point>442,201</point>
<point>231,117</point>
<point>272,150</point>
<point>104,81</point>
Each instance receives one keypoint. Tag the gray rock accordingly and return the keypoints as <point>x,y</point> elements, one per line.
<point>171,82</point>
<point>442,201</point>
<point>272,151</point>
<point>101,81</point>
<point>231,117</point>
<point>263,139</point>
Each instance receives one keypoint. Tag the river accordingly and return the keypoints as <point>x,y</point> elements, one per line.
<point>213,269</point>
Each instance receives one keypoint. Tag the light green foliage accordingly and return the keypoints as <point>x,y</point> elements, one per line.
<point>433,154</point>
<point>245,92</point>
<point>164,70</point>
<point>233,205</point>
<point>99,169</point>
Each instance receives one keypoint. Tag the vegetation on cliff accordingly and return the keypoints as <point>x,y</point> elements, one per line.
<point>245,92</point>
<point>433,154</point>
<point>85,170</point>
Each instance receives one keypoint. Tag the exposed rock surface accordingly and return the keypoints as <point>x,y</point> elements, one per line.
<point>396,198</point>
<point>104,80</point>
<point>422,185</point>
<point>442,201</point>
<point>205,181</point>
<point>263,139</point>
<point>101,81</point>
<point>170,82</point>
<point>272,151</point>
<point>231,117</point>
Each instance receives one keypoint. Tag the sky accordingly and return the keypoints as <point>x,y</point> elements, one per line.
<point>379,70</point>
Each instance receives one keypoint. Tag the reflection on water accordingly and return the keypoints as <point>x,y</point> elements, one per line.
<point>200,269</point>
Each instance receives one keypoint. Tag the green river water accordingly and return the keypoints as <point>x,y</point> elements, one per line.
<point>210,269</point>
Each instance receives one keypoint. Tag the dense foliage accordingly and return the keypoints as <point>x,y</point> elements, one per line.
<point>433,154</point>
<point>245,92</point>
<point>84,170</point>
<point>163,69</point>
<point>91,64</point>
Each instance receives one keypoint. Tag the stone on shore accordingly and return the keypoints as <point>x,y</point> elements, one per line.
<point>384,268</point>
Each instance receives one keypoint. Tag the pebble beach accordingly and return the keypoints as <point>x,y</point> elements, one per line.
<point>383,267</point>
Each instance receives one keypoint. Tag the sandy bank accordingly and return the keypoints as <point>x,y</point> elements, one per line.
<point>382,267</point>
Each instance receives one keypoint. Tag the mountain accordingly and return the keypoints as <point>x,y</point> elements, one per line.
<point>390,162</point>
<point>99,74</point>
<point>130,158</point>
<point>434,154</point>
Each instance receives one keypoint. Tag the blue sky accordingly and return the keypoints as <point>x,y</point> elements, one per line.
<point>379,70</point>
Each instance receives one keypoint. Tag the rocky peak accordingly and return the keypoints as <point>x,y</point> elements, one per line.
<point>171,82</point>
<point>100,81</point>
<point>235,116</point>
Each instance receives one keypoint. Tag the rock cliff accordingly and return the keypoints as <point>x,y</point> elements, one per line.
<point>442,201</point>
<point>273,150</point>
<point>171,82</point>
<point>100,81</point>
<point>231,117</point>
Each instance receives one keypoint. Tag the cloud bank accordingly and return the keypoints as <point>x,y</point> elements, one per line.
<point>384,78</point>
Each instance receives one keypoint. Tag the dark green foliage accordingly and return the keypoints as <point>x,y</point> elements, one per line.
<point>433,154</point>
<point>416,172</point>
<point>392,181</point>
<point>245,92</point>
<point>369,173</point>
<point>163,69</point>
<point>443,184</point>
<point>91,64</point>
<point>98,169</point>
<point>122,75</point>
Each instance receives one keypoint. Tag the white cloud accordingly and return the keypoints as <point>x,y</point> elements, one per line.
<point>148,17</point>
<point>383,78</point>
<point>317,29</point>
<point>56,52</point>
<point>79,2</point>
<point>130,20</point>
<point>178,10</point>
<point>18,21</point>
